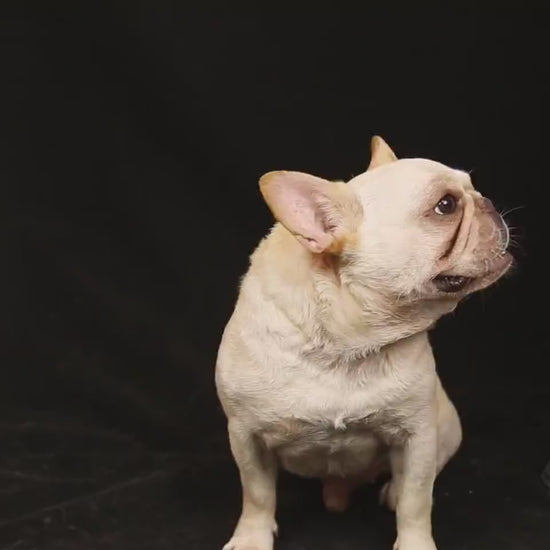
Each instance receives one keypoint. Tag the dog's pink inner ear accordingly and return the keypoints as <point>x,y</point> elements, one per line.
<point>302,203</point>
<point>381,153</point>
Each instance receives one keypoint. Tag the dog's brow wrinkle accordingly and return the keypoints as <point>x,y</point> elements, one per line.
<point>443,178</point>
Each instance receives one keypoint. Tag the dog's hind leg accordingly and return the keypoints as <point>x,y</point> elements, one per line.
<point>337,491</point>
<point>449,429</point>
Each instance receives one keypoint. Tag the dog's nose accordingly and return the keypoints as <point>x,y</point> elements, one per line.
<point>487,204</point>
<point>489,208</point>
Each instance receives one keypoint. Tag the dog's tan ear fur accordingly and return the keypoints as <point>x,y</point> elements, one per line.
<point>381,153</point>
<point>319,213</point>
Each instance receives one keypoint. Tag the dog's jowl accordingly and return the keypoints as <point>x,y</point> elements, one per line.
<point>325,368</point>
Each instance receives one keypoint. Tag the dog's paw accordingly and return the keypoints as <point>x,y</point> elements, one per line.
<point>414,541</point>
<point>388,496</point>
<point>252,539</point>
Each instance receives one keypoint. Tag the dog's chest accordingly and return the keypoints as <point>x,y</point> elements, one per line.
<point>331,430</point>
<point>327,440</point>
<point>331,424</point>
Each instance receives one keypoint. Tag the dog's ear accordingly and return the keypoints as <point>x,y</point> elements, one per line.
<point>319,213</point>
<point>380,153</point>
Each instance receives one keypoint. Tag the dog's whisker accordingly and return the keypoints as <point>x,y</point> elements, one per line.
<point>507,212</point>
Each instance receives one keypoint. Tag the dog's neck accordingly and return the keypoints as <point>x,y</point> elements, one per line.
<point>338,319</point>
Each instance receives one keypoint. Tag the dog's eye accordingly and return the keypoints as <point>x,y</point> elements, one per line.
<point>447,205</point>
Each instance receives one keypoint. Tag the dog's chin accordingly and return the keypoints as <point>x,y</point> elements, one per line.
<point>459,285</point>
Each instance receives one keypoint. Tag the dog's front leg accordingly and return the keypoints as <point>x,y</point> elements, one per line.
<point>258,471</point>
<point>415,485</point>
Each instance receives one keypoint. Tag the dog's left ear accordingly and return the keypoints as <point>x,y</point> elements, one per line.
<point>319,213</point>
<point>381,153</point>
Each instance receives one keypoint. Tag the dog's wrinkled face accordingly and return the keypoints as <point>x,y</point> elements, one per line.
<point>426,231</point>
<point>412,229</point>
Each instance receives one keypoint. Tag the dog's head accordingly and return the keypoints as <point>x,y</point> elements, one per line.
<point>411,229</point>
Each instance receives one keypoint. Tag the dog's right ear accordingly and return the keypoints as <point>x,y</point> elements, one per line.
<point>380,153</point>
<point>319,213</point>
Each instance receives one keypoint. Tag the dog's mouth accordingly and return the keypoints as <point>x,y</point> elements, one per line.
<point>452,283</point>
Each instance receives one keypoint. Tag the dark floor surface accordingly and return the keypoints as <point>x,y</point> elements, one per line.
<point>67,483</point>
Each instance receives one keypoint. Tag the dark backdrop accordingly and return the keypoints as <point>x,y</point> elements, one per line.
<point>133,136</point>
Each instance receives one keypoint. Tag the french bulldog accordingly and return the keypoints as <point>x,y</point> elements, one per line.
<point>325,368</point>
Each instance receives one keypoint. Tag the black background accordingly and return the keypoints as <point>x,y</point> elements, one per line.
<point>133,135</point>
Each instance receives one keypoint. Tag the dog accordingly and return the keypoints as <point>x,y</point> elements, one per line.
<point>325,368</point>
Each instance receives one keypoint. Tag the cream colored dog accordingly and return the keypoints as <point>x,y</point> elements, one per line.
<point>325,366</point>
